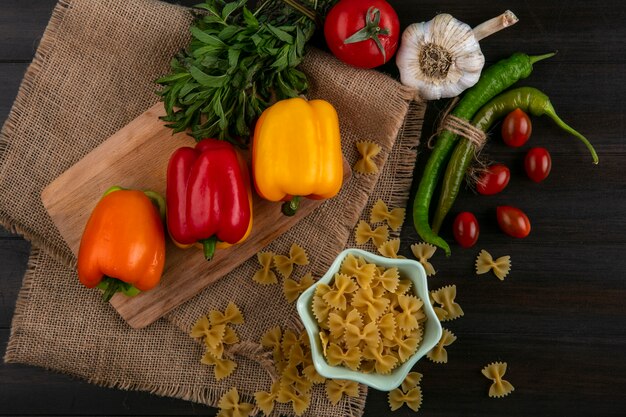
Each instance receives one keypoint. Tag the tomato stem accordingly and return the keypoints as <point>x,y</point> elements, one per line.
<point>371,30</point>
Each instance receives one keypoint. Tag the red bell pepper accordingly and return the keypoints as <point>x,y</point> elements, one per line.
<point>208,196</point>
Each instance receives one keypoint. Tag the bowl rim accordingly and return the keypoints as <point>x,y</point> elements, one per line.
<point>382,382</point>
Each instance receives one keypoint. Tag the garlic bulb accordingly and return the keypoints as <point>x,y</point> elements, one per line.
<point>441,58</point>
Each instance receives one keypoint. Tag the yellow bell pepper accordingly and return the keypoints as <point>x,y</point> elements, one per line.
<point>296,152</point>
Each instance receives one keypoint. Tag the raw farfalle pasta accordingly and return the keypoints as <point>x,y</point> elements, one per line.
<point>201,329</point>
<point>384,360</point>
<point>390,249</point>
<point>387,326</point>
<point>272,338</point>
<point>445,297</point>
<point>337,388</point>
<point>359,269</point>
<point>406,346</point>
<point>409,393</point>
<point>300,402</point>
<point>336,297</point>
<point>292,289</point>
<point>230,406</point>
<point>423,252</point>
<point>438,354</point>
<point>324,341</point>
<point>337,323</point>
<point>362,337</point>
<point>265,401</point>
<point>350,357</point>
<point>232,314</point>
<point>412,380</point>
<point>374,306</point>
<point>411,311</point>
<point>321,310</point>
<point>311,374</point>
<point>365,233</point>
<point>369,324</point>
<point>296,373</point>
<point>500,267</point>
<point>230,336</point>
<point>404,285</point>
<point>284,264</point>
<point>215,331</point>
<point>412,398</point>
<point>265,275</point>
<point>495,371</point>
<point>368,151</point>
<point>388,279</point>
<point>222,367</point>
<point>289,340</point>
<point>394,218</point>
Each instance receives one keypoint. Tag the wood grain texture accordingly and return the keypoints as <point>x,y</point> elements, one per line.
<point>559,319</point>
<point>136,157</point>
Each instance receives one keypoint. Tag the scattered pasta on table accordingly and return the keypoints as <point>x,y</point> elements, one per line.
<point>390,249</point>
<point>292,288</point>
<point>364,233</point>
<point>438,354</point>
<point>423,252</point>
<point>500,387</point>
<point>394,217</point>
<point>368,151</point>
<point>445,297</point>
<point>215,331</point>
<point>284,264</point>
<point>265,275</point>
<point>229,405</point>
<point>500,267</point>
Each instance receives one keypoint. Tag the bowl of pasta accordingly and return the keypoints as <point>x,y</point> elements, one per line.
<point>369,319</point>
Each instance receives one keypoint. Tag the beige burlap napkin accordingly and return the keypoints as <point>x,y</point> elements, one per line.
<point>91,75</point>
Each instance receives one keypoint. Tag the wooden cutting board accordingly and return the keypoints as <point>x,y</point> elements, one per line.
<point>137,157</point>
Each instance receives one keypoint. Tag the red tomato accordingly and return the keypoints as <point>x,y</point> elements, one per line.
<point>493,180</point>
<point>516,128</point>
<point>465,229</point>
<point>362,33</point>
<point>513,221</point>
<point>538,164</point>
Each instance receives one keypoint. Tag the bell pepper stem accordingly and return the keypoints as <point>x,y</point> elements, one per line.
<point>110,286</point>
<point>208,245</point>
<point>111,289</point>
<point>112,190</point>
<point>290,208</point>
<point>158,201</point>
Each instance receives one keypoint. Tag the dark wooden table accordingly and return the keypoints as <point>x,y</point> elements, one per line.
<point>559,319</point>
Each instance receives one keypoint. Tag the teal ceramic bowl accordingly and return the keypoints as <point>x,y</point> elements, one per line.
<point>408,268</point>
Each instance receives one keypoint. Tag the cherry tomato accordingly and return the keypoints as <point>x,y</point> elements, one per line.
<point>513,221</point>
<point>538,164</point>
<point>516,128</point>
<point>493,180</point>
<point>465,229</point>
<point>362,33</point>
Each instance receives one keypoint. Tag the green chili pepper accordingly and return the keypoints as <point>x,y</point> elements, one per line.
<point>528,99</point>
<point>493,81</point>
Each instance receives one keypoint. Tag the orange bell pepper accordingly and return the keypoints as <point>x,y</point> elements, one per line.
<point>296,152</point>
<point>123,244</point>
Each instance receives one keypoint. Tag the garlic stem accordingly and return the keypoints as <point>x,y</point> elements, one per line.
<point>494,25</point>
